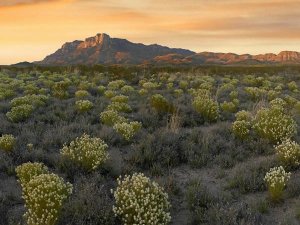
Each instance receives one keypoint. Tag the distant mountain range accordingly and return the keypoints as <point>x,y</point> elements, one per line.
<point>102,49</point>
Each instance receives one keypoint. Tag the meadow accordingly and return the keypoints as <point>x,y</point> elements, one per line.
<point>147,145</point>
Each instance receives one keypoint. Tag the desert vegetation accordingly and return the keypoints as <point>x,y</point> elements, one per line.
<point>131,145</point>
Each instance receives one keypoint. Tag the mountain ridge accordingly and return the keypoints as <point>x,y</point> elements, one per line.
<point>102,49</point>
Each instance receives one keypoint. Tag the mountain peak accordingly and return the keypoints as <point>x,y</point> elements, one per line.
<point>102,49</point>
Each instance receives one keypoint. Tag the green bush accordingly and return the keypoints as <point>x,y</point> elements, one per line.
<point>160,103</point>
<point>228,107</point>
<point>207,107</point>
<point>127,130</point>
<point>20,113</point>
<point>120,98</point>
<point>111,117</point>
<point>27,171</point>
<point>83,105</point>
<point>243,115</point>
<point>7,142</point>
<point>81,94</point>
<point>141,201</point>
<point>119,107</point>
<point>276,180</point>
<point>87,152</point>
<point>241,129</point>
<point>273,124</point>
<point>44,196</point>
<point>288,153</point>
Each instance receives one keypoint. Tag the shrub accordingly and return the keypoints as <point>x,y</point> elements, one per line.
<point>160,103</point>
<point>127,130</point>
<point>293,86</point>
<point>87,152</point>
<point>7,142</point>
<point>273,124</point>
<point>120,98</point>
<point>27,171</point>
<point>81,94</point>
<point>150,85</point>
<point>207,107</point>
<point>34,100</point>
<point>140,201</point>
<point>44,195</point>
<point>278,102</point>
<point>119,107</point>
<point>289,153</point>
<point>143,91</point>
<point>116,84</point>
<point>243,115</point>
<point>83,105</point>
<point>101,89</point>
<point>241,129</point>
<point>110,117</point>
<point>276,180</point>
<point>228,107</point>
<point>109,93</point>
<point>127,89</point>
<point>20,113</point>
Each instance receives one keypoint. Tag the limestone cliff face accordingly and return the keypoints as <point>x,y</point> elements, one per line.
<point>102,49</point>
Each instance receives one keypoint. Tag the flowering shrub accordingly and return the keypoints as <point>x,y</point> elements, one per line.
<point>7,142</point>
<point>27,171</point>
<point>127,130</point>
<point>243,115</point>
<point>228,107</point>
<point>207,107</point>
<point>109,93</point>
<point>276,180</point>
<point>44,195</point>
<point>143,91</point>
<point>34,100</point>
<point>160,103</point>
<point>289,153</point>
<point>274,125</point>
<point>110,117</point>
<point>116,84</point>
<point>127,89</point>
<point>140,201</point>
<point>83,105</point>
<point>81,94</point>
<point>101,89</point>
<point>178,92</point>
<point>150,85</point>
<point>88,152</point>
<point>293,86</point>
<point>278,102</point>
<point>119,107</point>
<point>20,113</point>
<point>120,98</point>
<point>241,129</point>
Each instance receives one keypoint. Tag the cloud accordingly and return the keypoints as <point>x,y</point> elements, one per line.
<point>5,3</point>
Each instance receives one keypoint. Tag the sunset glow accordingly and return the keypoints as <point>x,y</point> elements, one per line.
<point>32,29</point>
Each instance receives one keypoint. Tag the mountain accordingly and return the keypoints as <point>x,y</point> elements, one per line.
<point>102,49</point>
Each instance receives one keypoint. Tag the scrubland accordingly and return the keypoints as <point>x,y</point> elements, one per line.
<point>113,145</point>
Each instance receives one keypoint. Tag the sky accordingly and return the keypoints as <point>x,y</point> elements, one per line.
<point>32,29</point>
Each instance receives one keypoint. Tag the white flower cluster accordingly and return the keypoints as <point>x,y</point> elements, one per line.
<point>276,180</point>
<point>140,201</point>
<point>83,105</point>
<point>289,152</point>
<point>88,152</point>
<point>27,171</point>
<point>127,130</point>
<point>7,142</point>
<point>274,125</point>
<point>43,193</point>
<point>44,196</point>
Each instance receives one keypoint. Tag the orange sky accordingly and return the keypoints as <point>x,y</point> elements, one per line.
<point>32,29</point>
